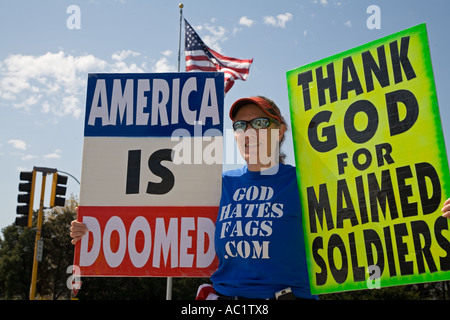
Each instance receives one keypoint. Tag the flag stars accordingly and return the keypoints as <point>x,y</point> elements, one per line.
<point>193,42</point>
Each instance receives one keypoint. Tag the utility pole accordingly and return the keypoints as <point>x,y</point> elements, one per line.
<point>38,238</point>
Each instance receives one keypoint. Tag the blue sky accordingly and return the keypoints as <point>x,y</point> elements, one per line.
<point>44,64</point>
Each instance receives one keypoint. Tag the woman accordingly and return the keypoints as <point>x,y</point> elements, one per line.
<point>258,239</point>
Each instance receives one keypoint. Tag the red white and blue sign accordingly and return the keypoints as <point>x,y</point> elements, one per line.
<point>151,174</point>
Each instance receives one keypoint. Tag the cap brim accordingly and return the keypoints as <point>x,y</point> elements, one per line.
<point>260,102</point>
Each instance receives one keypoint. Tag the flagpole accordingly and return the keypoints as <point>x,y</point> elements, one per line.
<point>169,279</point>
<point>179,36</point>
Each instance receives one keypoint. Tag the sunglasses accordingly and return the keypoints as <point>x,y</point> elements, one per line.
<point>258,123</point>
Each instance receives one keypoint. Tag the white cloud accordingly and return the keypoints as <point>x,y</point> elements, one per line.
<point>71,105</point>
<point>55,83</point>
<point>246,21</point>
<point>27,102</point>
<point>163,65</point>
<point>270,20</point>
<point>122,55</point>
<point>54,155</point>
<point>278,21</point>
<point>18,144</point>
<point>28,157</point>
<point>29,81</point>
<point>217,35</point>
<point>322,2</point>
<point>121,66</point>
<point>348,23</point>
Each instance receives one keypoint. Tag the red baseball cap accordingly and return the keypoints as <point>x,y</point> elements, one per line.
<point>262,103</point>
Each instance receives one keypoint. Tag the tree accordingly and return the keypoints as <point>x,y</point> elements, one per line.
<point>16,261</point>
<point>58,251</point>
<point>17,252</point>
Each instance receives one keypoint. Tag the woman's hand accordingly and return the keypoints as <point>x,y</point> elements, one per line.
<point>77,229</point>
<point>446,209</point>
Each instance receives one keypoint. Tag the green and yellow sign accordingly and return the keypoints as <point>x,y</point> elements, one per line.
<point>372,168</point>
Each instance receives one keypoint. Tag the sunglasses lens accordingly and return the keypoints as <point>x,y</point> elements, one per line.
<point>239,125</point>
<point>260,123</point>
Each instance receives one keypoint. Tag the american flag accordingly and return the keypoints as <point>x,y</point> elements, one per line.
<point>200,57</point>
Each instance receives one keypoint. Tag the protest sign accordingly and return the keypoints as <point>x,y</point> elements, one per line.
<point>372,166</point>
<point>151,174</point>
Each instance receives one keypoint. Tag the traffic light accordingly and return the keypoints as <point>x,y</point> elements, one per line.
<point>57,197</point>
<point>25,211</point>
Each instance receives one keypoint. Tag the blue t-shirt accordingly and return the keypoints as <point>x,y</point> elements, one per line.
<point>259,236</point>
